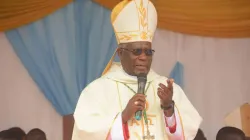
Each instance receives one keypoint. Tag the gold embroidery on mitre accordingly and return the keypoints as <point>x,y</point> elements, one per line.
<point>118,8</point>
<point>142,34</point>
<point>143,14</point>
<point>126,36</point>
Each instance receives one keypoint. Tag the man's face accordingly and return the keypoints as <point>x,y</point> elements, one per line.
<point>136,57</point>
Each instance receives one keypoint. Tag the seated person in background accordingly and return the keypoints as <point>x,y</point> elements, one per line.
<point>230,133</point>
<point>11,135</point>
<point>36,134</point>
<point>200,135</point>
<point>17,133</point>
<point>3,134</point>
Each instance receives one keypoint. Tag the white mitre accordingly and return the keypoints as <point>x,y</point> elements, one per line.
<point>134,20</point>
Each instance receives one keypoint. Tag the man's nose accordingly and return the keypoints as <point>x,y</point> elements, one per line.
<point>143,56</point>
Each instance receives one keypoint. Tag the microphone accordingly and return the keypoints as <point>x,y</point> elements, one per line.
<point>142,80</point>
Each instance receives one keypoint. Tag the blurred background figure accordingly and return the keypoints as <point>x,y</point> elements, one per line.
<point>17,133</point>
<point>36,134</point>
<point>14,133</point>
<point>230,133</point>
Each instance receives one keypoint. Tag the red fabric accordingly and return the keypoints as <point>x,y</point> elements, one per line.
<point>172,129</point>
<point>109,137</point>
<point>125,131</point>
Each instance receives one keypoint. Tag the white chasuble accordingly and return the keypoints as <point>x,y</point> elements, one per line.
<point>98,112</point>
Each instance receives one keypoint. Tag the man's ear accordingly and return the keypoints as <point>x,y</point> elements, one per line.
<point>119,51</point>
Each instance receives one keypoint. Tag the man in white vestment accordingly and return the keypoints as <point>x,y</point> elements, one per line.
<point>107,106</point>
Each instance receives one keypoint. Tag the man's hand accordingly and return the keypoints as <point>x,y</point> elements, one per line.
<point>136,103</point>
<point>166,94</point>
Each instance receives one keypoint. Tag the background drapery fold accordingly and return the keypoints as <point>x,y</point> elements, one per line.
<point>15,13</point>
<point>215,18</point>
<point>177,74</point>
<point>225,18</point>
<point>65,51</point>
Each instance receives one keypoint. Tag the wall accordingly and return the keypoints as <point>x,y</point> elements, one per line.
<point>216,73</point>
<point>21,102</point>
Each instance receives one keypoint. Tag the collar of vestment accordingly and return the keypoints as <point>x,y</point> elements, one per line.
<point>117,73</point>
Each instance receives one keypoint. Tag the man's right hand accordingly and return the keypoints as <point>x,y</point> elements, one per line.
<point>135,104</point>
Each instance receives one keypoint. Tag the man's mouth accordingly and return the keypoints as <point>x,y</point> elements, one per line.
<point>141,66</point>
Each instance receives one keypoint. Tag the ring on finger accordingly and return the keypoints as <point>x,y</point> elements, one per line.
<point>136,103</point>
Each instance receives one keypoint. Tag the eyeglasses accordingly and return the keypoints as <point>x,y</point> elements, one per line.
<point>137,52</point>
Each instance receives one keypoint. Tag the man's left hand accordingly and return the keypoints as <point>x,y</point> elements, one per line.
<point>165,93</point>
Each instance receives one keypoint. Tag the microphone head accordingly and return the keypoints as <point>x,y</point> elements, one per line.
<point>142,77</point>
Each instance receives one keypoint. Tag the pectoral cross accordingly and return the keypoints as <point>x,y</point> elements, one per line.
<point>148,136</point>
